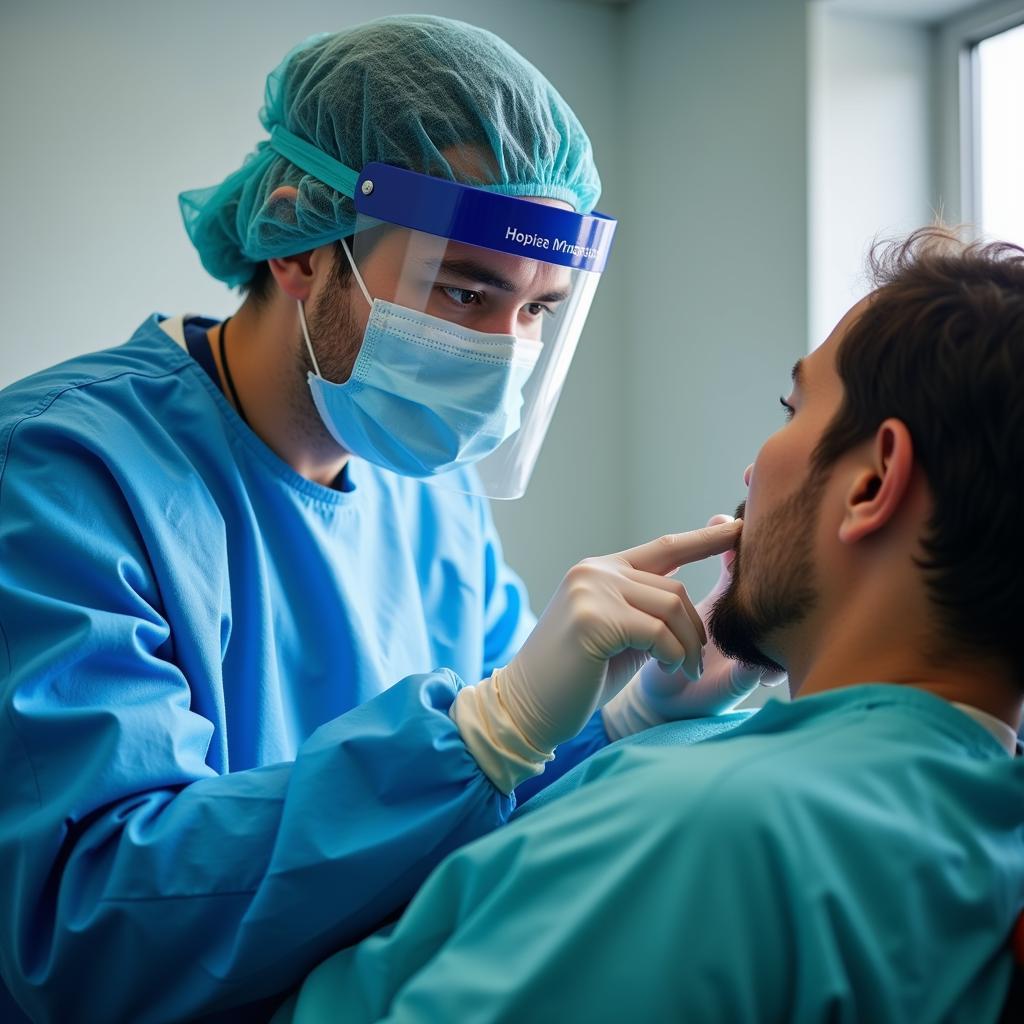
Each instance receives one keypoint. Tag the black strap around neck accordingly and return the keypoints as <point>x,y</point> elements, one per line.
<point>227,372</point>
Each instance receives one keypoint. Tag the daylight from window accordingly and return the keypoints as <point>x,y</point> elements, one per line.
<point>1000,155</point>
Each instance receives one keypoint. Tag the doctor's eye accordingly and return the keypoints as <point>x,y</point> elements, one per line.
<point>537,308</point>
<point>461,296</point>
<point>789,409</point>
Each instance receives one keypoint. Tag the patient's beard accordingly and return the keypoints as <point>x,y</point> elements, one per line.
<point>772,584</point>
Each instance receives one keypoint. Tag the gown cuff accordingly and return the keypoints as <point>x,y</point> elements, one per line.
<point>503,753</point>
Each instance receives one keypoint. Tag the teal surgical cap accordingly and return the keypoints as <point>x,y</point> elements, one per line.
<point>424,93</point>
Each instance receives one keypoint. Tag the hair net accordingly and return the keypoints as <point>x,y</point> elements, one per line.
<point>424,93</point>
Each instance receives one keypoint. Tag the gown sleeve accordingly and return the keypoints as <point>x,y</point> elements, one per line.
<point>141,884</point>
<point>651,896</point>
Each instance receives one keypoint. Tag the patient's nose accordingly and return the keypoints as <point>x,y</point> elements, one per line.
<point>746,474</point>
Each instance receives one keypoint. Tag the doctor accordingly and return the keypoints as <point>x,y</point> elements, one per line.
<point>247,569</point>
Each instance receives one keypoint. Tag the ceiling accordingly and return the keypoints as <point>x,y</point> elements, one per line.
<point>903,10</point>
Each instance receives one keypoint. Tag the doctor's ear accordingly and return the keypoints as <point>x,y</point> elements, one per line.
<point>880,485</point>
<point>294,274</point>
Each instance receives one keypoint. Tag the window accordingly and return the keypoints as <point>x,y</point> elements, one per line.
<point>997,158</point>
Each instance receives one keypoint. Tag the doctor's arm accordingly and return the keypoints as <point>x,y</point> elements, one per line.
<point>142,884</point>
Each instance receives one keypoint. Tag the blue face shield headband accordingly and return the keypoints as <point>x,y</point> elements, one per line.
<point>464,357</point>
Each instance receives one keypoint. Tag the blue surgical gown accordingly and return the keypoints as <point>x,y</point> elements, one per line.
<point>855,856</point>
<point>224,741</point>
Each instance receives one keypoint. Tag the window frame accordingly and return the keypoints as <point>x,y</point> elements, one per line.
<point>956,87</point>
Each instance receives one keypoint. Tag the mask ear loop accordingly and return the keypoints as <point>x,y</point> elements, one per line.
<point>309,344</point>
<point>355,270</point>
<point>302,311</point>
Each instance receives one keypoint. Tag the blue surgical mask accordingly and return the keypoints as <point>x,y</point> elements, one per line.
<point>425,395</point>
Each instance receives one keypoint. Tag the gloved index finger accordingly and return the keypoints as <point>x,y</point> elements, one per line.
<point>666,554</point>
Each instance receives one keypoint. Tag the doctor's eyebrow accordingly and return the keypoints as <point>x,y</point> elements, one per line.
<point>480,273</point>
<point>797,373</point>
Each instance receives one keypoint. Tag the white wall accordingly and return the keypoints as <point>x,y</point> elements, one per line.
<point>870,149</point>
<point>714,251</point>
<point>699,115</point>
<point>110,108</point>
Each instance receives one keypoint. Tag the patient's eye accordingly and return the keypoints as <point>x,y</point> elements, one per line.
<point>789,409</point>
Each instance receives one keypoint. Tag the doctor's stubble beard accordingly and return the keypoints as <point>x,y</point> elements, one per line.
<point>773,580</point>
<point>336,339</point>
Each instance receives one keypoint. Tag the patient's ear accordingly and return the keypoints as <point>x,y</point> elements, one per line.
<point>880,485</point>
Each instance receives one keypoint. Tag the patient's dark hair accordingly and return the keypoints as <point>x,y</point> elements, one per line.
<point>940,346</point>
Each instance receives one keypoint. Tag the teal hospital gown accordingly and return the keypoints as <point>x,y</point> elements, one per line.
<point>855,856</point>
<point>224,690</point>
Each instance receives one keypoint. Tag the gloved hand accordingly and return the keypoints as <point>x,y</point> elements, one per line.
<point>656,695</point>
<point>607,618</point>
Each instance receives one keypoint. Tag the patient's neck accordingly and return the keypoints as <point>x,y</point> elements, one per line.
<point>871,638</point>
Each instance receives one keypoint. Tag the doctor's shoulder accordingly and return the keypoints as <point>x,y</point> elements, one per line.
<point>118,413</point>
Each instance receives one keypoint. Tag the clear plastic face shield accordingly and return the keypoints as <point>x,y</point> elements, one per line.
<point>476,303</point>
<point>512,291</point>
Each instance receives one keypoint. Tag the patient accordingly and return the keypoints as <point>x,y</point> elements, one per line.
<point>855,855</point>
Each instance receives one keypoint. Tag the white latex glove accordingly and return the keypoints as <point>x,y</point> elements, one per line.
<point>607,618</point>
<point>656,696</point>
